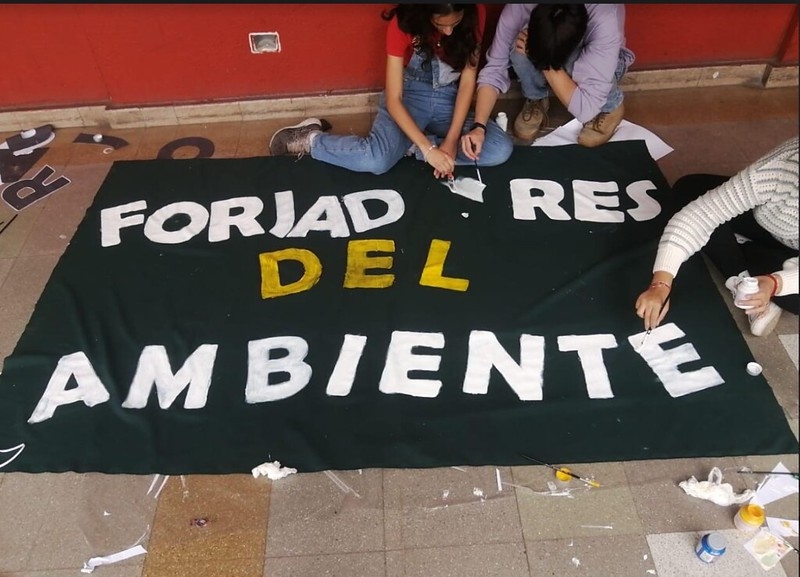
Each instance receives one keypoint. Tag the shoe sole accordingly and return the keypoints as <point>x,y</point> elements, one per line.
<point>323,124</point>
<point>768,328</point>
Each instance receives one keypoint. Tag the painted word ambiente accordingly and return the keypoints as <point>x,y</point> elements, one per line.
<point>485,353</point>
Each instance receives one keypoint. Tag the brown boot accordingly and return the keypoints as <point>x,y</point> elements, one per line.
<point>601,128</point>
<point>530,118</point>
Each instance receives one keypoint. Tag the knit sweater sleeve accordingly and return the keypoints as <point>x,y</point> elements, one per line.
<point>689,230</point>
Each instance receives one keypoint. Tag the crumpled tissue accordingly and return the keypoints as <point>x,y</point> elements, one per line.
<point>273,470</point>
<point>715,490</point>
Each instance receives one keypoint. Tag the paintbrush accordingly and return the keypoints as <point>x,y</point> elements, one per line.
<point>590,482</point>
<point>748,472</point>
<point>650,330</point>
<point>476,164</point>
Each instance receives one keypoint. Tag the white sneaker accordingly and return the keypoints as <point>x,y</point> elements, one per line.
<point>732,283</point>
<point>763,324</point>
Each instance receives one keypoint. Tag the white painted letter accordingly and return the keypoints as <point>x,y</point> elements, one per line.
<point>334,220</point>
<point>665,363</point>
<point>154,369</point>
<point>524,203</point>
<point>90,389</point>
<point>222,220</point>
<point>648,208</point>
<point>154,227</point>
<point>344,373</point>
<point>400,360</point>
<point>284,217</point>
<point>590,353</point>
<point>111,221</point>
<point>587,202</point>
<point>485,352</point>
<point>260,367</point>
<point>359,215</point>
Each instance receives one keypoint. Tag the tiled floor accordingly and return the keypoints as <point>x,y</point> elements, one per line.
<point>402,522</point>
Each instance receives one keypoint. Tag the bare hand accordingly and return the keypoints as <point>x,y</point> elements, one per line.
<point>760,301</point>
<point>442,163</point>
<point>472,143</point>
<point>653,305</point>
<point>449,147</point>
<point>521,41</point>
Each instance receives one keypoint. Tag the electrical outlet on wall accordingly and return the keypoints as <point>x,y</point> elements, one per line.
<point>261,42</point>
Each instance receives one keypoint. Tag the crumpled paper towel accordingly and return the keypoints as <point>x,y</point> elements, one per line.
<point>273,470</point>
<point>715,490</point>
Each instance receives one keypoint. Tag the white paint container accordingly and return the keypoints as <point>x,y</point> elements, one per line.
<point>749,518</point>
<point>746,287</point>
<point>502,121</point>
<point>710,547</point>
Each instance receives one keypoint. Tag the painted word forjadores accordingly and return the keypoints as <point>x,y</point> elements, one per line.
<point>592,201</point>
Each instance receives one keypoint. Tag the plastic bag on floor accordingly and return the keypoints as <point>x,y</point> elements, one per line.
<point>715,490</point>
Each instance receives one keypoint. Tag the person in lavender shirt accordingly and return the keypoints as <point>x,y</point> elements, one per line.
<point>575,51</point>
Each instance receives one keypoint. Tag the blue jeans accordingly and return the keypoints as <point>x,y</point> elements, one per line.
<point>534,85</point>
<point>430,104</point>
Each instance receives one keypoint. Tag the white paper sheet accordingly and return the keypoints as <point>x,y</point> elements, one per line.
<point>783,527</point>
<point>568,134</point>
<point>775,487</point>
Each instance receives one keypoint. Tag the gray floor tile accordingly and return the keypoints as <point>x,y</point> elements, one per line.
<point>790,343</point>
<point>16,228</point>
<point>5,268</point>
<point>620,556</point>
<point>341,565</point>
<point>59,521</point>
<point>664,507</point>
<point>674,556</point>
<point>108,571</point>
<point>447,506</point>
<point>23,286</point>
<point>586,512</point>
<point>486,560</point>
<point>310,515</point>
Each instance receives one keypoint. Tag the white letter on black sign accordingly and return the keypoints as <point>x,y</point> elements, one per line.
<point>665,363</point>
<point>90,389</point>
<point>260,367</point>
<point>154,369</point>
<point>485,352</point>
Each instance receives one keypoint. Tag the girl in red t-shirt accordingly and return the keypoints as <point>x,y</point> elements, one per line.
<point>432,53</point>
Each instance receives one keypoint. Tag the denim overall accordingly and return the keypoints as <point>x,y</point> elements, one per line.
<point>429,96</point>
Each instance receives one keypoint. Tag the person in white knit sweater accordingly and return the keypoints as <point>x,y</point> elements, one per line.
<point>747,225</point>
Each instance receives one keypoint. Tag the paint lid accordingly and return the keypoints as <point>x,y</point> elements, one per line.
<point>716,543</point>
<point>563,474</point>
<point>753,369</point>
<point>752,514</point>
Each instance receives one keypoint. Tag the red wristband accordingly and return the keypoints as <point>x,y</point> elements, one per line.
<point>774,286</point>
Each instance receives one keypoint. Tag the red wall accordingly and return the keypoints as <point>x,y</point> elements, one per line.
<point>150,54</point>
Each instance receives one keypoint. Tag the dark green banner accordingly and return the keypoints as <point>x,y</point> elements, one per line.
<point>210,315</point>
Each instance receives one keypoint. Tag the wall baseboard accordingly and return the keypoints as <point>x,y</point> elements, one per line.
<point>756,75</point>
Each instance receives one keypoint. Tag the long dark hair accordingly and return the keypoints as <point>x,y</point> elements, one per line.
<point>459,49</point>
<point>554,32</point>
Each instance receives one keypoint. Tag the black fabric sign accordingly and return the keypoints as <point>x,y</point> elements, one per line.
<point>210,315</point>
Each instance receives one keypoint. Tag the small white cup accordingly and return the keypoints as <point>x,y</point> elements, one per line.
<point>753,369</point>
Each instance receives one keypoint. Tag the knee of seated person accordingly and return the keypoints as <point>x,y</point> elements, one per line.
<point>380,165</point>
<point>497,152</point>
